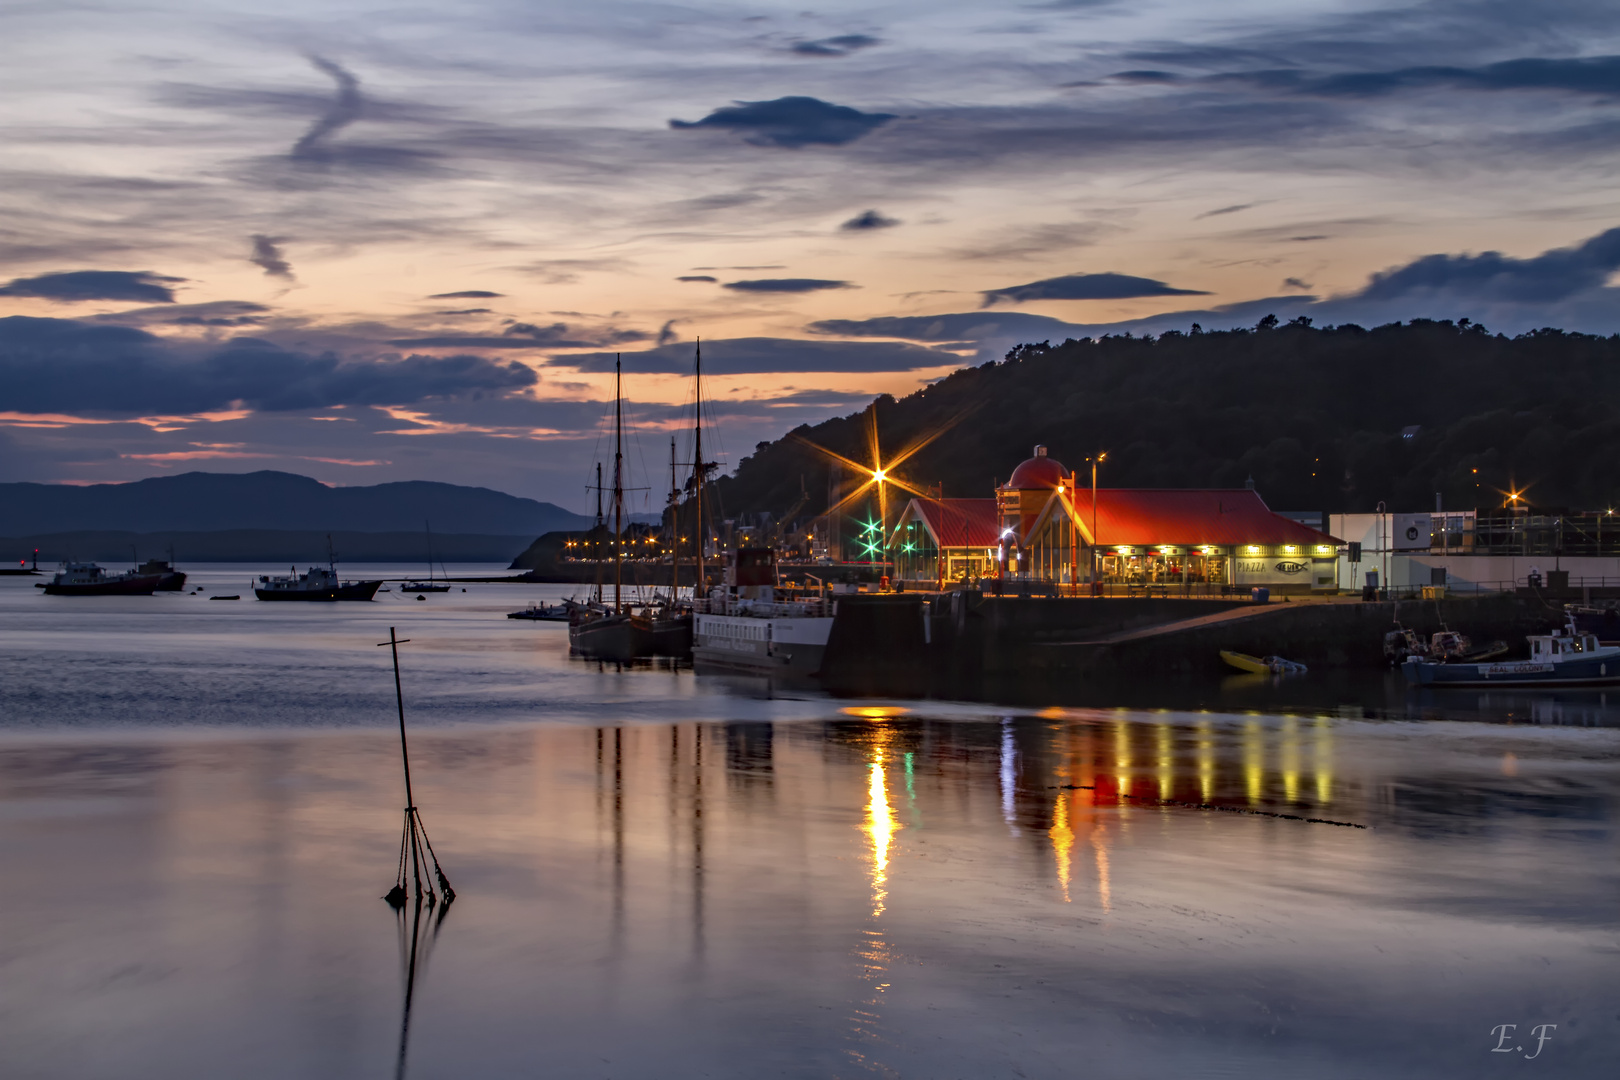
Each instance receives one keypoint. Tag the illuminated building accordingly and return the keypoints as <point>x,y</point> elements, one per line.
<point>1043,526</point>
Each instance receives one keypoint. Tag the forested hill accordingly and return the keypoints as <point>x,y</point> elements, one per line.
<point>1314,415</point>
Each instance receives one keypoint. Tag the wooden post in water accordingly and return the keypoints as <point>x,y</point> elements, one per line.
<point>414,846</point>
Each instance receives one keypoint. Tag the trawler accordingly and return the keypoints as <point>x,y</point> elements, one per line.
<point>320,584</point>
<point>88,579</point>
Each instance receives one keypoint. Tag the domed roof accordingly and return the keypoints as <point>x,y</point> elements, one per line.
<point>1039,471</point>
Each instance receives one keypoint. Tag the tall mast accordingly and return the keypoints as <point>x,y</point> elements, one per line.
<point>674,528</point>
<point>697,465</point>
<point>618,483</point>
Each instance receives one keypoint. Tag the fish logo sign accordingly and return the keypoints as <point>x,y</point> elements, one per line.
<point>1291,567</point>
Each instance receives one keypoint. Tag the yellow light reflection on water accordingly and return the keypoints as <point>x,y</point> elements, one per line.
<point>1290,758</point>
<point>1062,842</point>
<point>1122,755</point>
<point>1324,760</point>
<point>1166,773</point>
<point>880,827</point>
<point>1206,761</point>
<point>1254,759</point>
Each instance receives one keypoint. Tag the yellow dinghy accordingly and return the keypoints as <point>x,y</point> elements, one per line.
<point>1258,665</point>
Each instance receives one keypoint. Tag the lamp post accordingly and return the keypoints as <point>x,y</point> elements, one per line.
<point>1096,589</point>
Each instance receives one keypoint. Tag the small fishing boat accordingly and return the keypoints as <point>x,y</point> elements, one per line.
<point>1262,665</point>
<point>1565,657</point>
<point>233,596</point>
<point>545,612</point>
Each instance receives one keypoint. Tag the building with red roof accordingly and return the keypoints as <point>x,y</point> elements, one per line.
<point>1044,526</point>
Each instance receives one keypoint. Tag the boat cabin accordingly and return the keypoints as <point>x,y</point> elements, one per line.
<point>1551,648</point>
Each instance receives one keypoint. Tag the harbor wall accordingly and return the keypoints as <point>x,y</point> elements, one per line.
<point>972,646</point>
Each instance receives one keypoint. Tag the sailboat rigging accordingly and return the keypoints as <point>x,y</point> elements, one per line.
<point>429,585</point>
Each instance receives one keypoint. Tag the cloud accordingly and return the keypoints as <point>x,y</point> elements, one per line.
<point>1552,275</point>
<point>522,335</point>
<point>212,313</point>
<point>1143,76</point>
<point>1596,75</point>
<point>791,122</point>
<point>343,111</point>
<point>697,277</point>
<point>750,356</point>
<point>869,219</point>
<point>842,45</point>
<point>466,294</point>
<point>786,285</point>
<point>1224,210</point>
<point>267,256</point>
<point>1296,283</point>
<point>76,285</point>
<point>67,366</point>
<point>1105,286</point>
<point>667,334</point>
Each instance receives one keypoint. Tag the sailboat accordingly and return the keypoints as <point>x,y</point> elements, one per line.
<point>672,626</point>
<point>613,634</point>
<point>429,585</point>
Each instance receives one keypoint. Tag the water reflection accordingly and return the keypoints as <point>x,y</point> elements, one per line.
<point>886,894</point>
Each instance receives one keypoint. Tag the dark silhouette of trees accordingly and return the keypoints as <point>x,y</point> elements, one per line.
<point>1314,415</point>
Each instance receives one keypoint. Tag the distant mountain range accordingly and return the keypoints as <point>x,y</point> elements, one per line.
<point>200,502</point>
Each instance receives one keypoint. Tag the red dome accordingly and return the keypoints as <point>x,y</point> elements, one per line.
<point>1038,472</point>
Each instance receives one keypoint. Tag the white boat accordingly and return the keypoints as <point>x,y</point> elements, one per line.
<point>746,625</point>
<point>1566,657</point>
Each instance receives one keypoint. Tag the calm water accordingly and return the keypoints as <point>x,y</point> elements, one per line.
<point>669,875</point>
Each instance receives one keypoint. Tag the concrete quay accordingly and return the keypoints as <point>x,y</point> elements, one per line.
<point>966,644</point>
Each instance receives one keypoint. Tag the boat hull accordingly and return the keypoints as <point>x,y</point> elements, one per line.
<point>1244,662</point>
<point>672,636</point>
<point>768,646</point>
<point>1597,671</point>
<point>611,637</point>
<point>136,586</point>
<point>353,590</point>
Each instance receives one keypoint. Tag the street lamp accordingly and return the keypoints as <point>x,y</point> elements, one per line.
<point>1095,584</point>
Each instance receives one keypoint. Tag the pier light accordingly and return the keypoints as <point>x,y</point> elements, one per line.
<point>1123,549</point>
<point>1290,549</point>
<point>1324,549</point>
<point>1254,549</point>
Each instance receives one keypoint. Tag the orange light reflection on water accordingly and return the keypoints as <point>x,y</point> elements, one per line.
<point>1062,842</point>
<point>880,827</point>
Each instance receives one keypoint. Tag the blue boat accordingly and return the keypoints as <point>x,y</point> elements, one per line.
<point>1566,657</point>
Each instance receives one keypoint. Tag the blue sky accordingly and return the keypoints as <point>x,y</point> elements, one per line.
<point>375,242</point>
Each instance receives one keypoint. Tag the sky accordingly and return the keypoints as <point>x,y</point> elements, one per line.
<point>368,242</point>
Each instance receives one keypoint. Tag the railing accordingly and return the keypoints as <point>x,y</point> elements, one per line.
<point>760,609</point>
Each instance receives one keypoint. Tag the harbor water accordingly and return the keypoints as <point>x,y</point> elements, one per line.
<point>669,874</point>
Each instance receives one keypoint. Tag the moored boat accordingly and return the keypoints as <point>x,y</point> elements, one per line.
<point>1262,665</point>
<point>544,612</point>
<point>169,579</point>
<point>320,584</point>
<point>88,579</point>
<point>1565,657</point>
<point>746,626</point>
